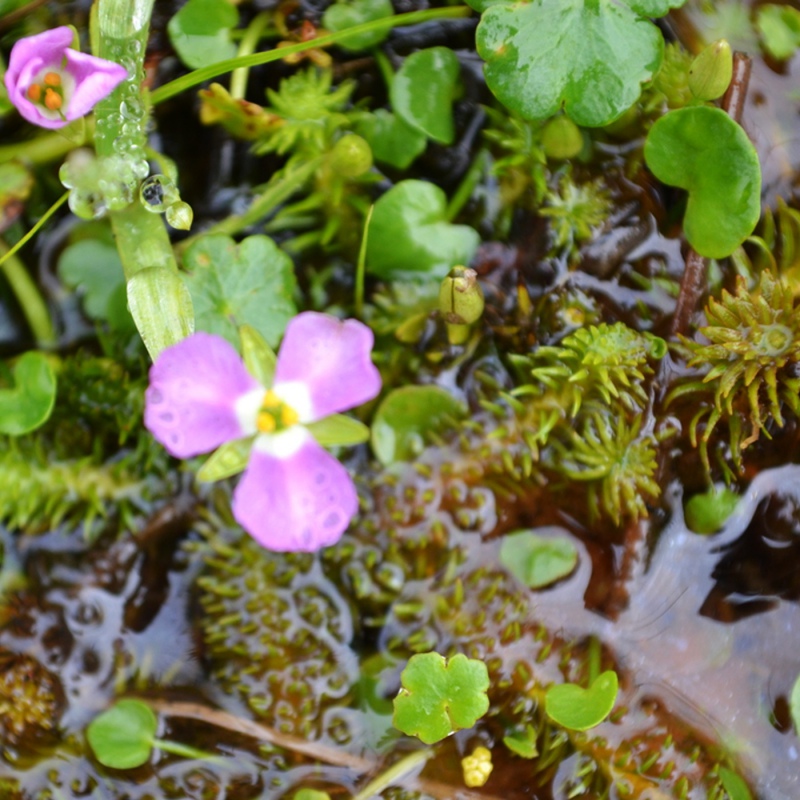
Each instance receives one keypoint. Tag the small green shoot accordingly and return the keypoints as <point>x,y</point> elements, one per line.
<point>734,785</point>
<point>123,736</point>
<point>410,237</point>
<point>439,697</point>
<point>522,743</point>
<point>406,416</point>
<point>536,560</point>
<point>702,150</point>
<point>422,92</point>
<point>589,58</point>
<point>579,709</point>
<point>707,512</point>
<point>250,283</point>
<point>29,403</point>
<point>201,32</point>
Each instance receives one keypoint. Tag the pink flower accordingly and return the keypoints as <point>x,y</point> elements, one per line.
<point>294,495</point>
<point>51,84</point>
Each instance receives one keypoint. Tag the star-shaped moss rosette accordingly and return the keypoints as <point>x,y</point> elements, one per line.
<point>754,341</point>
<point>439,696</point>
<point>52,84</point>
<point>589,58</point>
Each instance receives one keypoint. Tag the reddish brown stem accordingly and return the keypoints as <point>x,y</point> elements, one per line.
<point>693,283</point>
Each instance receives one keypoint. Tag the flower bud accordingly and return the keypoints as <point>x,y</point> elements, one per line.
<point>711,71</point>
<point>561,138</point>
<point>461,297</point>
<point>351,156</point>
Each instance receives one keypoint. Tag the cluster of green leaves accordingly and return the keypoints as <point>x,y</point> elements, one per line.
<point>750,363</point>
<point>585,406</point>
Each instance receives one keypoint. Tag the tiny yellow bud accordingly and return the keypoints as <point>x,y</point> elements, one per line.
<point>271,400</point>
<point>289,416</point>
<point>477,767</point>
<point>265,422</point>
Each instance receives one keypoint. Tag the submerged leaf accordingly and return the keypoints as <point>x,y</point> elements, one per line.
<point>537,561</point>
<point>122,737</point>
<point>579,709</point>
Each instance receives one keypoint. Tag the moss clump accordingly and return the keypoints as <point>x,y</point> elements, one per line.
<point>31,700</point>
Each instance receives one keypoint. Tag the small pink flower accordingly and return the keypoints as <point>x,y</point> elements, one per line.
<point>51,84</point>
<point>294,495</point>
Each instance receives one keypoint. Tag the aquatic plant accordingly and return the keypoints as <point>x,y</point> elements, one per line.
<point>754,345</point>
<point>31,700</point>
<point>294,495</point>
<point>576,210</point>
<point>618,462</point>
<point>52,84</point>
<point>607,362</point>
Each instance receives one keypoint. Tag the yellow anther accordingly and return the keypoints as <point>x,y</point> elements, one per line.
<point>265,422</point>
<point>289,416</point>
<point>477,767</point>
<point>271,400</point>
<point>35,92</point>
<point>52,100</point>
<point>52,79</point>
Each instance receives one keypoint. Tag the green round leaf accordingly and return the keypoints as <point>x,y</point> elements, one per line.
<point>422,92</point>
<point>440,697</point>
<point>779,27</point>
<point>702,150</point>
<point>536,560</point>
<point>707,512</point>
<point>347,13</point>
<point>94,267</point>
<point>579,709</point>
<point>251,283</point>
<point>393,141</point>
<point>122,737</point>
<point>590,58</point>
<point>200,32</point>
<point>30,402</point>
<point>409,235</point>
<point>406,416</point>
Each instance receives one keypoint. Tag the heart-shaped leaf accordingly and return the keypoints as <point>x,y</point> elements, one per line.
<point>702,150</point>
<point>579,709</point>
<point>537,560</point>
<point>123,736</point>
<point>201,32</point>
<point>423,90</point>
<point>393,141</point>
<point>707,512</point>
<point>94,267</point>
<point>409,235</point>
<point>406,416</point>
<point>589,57</point>
<point>346,13</point>
<point>30,402</point>
<point>440,697</point>
<point>251,283</point>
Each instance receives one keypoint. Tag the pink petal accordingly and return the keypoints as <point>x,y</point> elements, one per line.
<point>190,406</point>
<point>95,79</point>
<point>300,501</point>
<point>331,359</point>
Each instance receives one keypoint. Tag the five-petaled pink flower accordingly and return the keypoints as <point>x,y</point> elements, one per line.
<point>294,495</point>
<point>50,84</point>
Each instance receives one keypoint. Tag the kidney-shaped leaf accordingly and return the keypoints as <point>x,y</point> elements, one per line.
<point>347,13</point>
<point>29,403</point>
<point>579,709</point>
<point>123,736</point>
<point>251,283</point>
<point>537,560</point>
<point>589,57</point>
<point>409,235</point>
<point>702,150</point>
<point>439,696</point>
<point>423,90</point>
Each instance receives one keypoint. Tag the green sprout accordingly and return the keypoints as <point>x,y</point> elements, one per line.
<point>576,210</point>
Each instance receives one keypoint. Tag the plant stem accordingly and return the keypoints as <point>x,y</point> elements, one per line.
<point>467,186</point>
<point>315,750</point>
<point>222,67</point>
<point>49,146</point>
<point>28,296</point>
<point>395,773</point>
<point>248,45</point>
<point>362,266</point>
<point>693,282</point>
